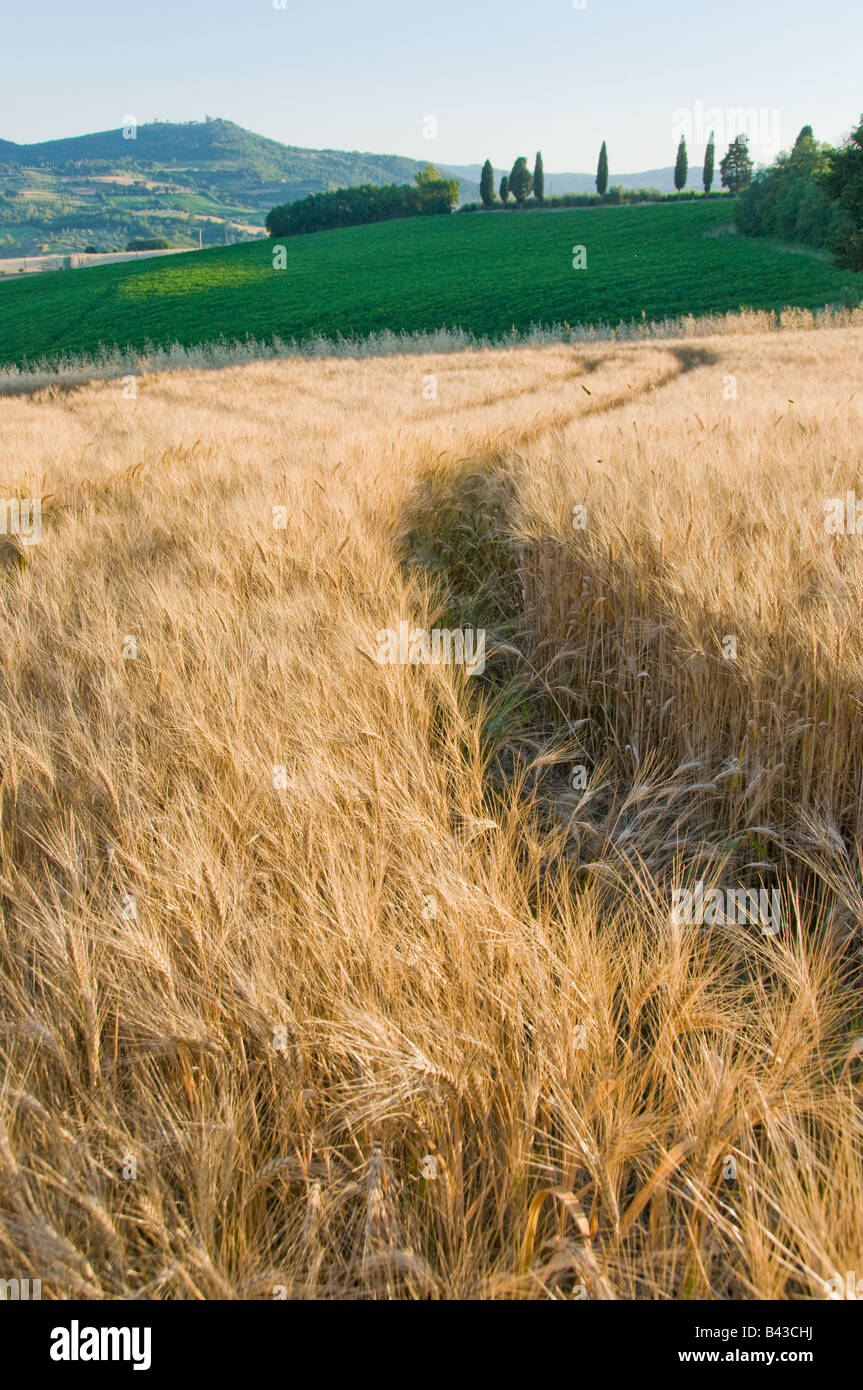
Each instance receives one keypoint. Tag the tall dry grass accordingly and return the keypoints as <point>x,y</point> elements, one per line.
<point>280,924</point>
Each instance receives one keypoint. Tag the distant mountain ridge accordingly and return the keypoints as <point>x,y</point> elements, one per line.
<point>206,180</point>
<point>220,147</point>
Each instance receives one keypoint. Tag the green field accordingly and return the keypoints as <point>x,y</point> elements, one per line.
<point>484,273</point>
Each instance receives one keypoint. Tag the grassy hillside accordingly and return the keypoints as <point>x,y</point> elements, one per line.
<point>486,274</point>
<point>377,1000</point>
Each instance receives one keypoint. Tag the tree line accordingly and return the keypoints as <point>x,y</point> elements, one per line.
<point>814,195</point>
<point>735,171</point>
<point>430,194</point>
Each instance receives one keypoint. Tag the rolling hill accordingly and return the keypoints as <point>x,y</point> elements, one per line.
<point>208,182</point>
<point>483,273</point>
<point>172,180</point>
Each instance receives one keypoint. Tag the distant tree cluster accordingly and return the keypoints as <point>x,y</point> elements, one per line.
<point>814,195</point>
<point>148,243</point>
<point>352,207</point>
<point>520,182</point>
<point>789,200</point>
<point>842,181</point>
<point>615,195</point>
<point>736,169</point>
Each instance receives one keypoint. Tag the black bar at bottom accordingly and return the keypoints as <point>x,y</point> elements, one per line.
<point>243,1339</point>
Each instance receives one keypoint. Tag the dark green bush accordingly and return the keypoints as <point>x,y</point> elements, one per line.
<point>353,207</point>
<point>150,243</point>
<point>786,201</point>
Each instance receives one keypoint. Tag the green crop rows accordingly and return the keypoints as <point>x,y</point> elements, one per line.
<point>486,273</point>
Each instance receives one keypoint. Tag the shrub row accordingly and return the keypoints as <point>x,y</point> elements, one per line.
<point>351,207</point>
<point>615,196</point>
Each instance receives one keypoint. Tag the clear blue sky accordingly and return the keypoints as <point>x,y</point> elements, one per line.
<point>500,78</point>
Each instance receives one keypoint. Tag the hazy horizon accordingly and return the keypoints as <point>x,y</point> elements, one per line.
<point>386,154</point>
<point>453,85</point>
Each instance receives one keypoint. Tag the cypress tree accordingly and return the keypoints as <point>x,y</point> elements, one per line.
<point>538,178</point>
<point>520,180</point>
<point>504,188</point>
<point>709,157</point>
<point>486,184</point>
<point>681,168</point>
<point>602,171</point>
<point>735,166</point>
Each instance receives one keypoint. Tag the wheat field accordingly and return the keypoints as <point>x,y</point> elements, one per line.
<point>323,977</point>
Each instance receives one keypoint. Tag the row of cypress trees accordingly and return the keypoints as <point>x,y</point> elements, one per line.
<point>681,165</point>
<point>521,183</point>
